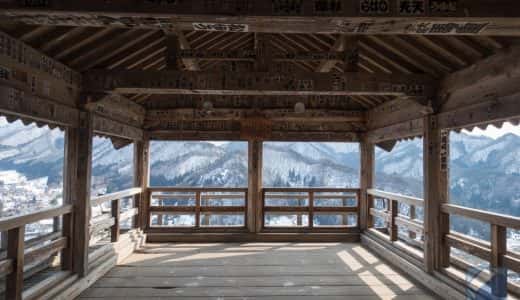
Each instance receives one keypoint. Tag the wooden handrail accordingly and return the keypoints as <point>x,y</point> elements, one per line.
<point>21,220</point>
<point>6,267</point>
<point>115,196</point>
<point>488,217</point>
<point>198,196</point>
<point>397,197</point>
<point>310,189</point>
<point>310,195</point>
<point>194,189</point>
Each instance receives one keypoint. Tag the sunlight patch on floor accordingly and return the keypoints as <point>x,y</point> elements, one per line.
<point>210,255</point>
<point>403,283</point>
<point>349,260</point>
<point>377,286</point>
<point>365,255</point>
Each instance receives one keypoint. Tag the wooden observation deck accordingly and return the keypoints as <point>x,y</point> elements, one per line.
<point>368,71</point>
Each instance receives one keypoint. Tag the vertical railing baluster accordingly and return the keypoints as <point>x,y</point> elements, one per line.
<point>393,230</point>
<point>197,208</point>
<point>411,234</point>
<point>311,209</point>
<point>344,216</point>
<point>115,229</point>
<point>299,214</point>
<point>67,230</point>
<point>498,269</point>
<point>160,216</point>
<point>444,248</point>
<point>15,252</point>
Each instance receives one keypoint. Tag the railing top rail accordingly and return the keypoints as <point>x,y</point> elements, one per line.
<point>21,220</point>
<point>308,189</point>
<point>397,197</point>
<point>488,217</point>
<point>194,189</point>
<point>114,196</point>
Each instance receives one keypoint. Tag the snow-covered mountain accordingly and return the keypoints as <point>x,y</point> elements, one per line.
<point>485,172</point>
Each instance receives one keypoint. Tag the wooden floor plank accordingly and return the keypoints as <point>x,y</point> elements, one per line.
<point>254,270</point>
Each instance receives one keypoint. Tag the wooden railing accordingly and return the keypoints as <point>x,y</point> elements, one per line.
<point>200,208</point>
<point>116,217</point>
<point>393,220</point>
<point>495,251</point>
<point>23,255</point>
<point>307,209</point>
<point>25,259</point>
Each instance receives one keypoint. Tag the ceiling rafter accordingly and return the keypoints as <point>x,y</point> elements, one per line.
<point>421,53</point>
<point>159,51</point>
<point>84,42</point>
<point>103,47</point>
<point>387,57</point>
<point>136,51</point>
<point>447,54</point>
<point>383,42</point>
<point>117,48</point>
<point>71,33</point>
<point>463,47</point>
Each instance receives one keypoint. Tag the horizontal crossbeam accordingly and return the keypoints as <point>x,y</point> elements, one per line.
<point>322,115</point>
<point>310,16</point>
<point>256,83</point>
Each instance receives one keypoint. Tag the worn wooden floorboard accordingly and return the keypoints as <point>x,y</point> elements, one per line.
<point>254,270</point>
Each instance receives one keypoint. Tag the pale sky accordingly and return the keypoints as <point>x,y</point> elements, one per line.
<point>493,132</point>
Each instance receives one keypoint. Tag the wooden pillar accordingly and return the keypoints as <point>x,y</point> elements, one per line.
<point>435,168</point>
<point>498,269</point>
<point>254,193</point>
<point>78,145</point>
<point>365,201</point>
<point>393,230</point>
<point>172,51</point>
<point>15,252</point>
<point>115,229</point>
<point>3,234</point>
<point>142,180</point>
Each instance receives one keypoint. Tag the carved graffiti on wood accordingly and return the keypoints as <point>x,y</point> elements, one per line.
<point>24,55</point>
<point>327,7</point>
<point>255,128</point>
<point>412,7</point>
<point>374,6</point>
<point>443,6</point>
<point>220,27</point>
<point>447,28</point>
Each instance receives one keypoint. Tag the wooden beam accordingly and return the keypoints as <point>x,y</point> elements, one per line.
<point>348,47</point>
<point>322,115</point>
<point>140,180</point>
<point>257,83</point>
<point>408,129</point>
<point>436,193</point>
<point>190,63</point>
<point>349,17</point>
<point>15,101</point>
<point>254,192</point>
<point>367,172</point>
<point>492,78</point>
<point>79,161</point>
<point>394,112</point>
<point>118,108</point>
<point>251,55</point>
<point>39,75</point>
<point>15,253</point>
<point>165,102</point>
<point>112,128</point>
<point>499,110</point>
